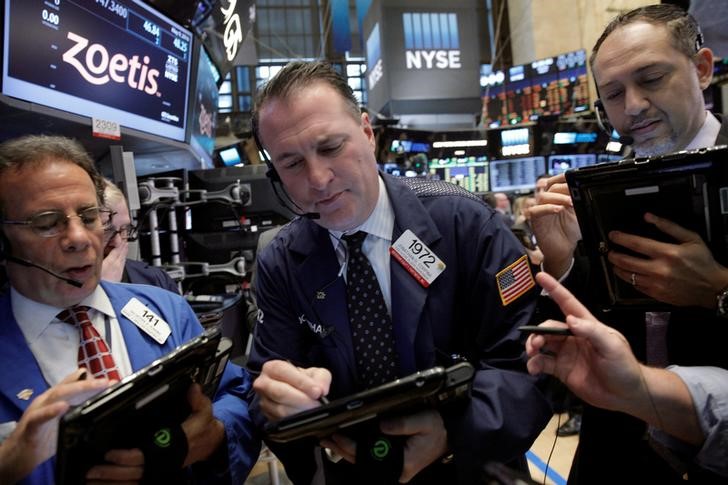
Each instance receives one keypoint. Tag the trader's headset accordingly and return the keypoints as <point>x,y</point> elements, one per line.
<point>603,119</point>
<point>275,179</point>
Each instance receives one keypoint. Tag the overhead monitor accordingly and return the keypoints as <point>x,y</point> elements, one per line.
<point>563,162</point>
<point>409,146</point>
<point>511,142</point>
<point>516,174</point>
<point>203,117</point>
<point>118,61</point>
<point>545,87</point>
<point>573,137</point>
<point>471,173</point>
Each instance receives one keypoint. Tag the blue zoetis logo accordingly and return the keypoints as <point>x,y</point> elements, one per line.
<point>431,40</point>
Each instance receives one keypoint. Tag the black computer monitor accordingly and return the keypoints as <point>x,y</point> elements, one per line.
<point>259,209</point>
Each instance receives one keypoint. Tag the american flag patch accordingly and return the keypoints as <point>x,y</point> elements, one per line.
<point>515,280</point>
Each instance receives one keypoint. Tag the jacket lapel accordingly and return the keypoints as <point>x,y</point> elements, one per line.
<point>325,291</point>
<point>408,296</point>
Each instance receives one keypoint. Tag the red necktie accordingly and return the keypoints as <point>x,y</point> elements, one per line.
<point>93,353</point>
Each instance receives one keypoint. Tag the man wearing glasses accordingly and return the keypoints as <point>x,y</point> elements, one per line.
<point>52,225</point>
<point>116,266</point>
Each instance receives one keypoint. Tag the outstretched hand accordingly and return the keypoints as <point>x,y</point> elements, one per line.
<point>596,363</point>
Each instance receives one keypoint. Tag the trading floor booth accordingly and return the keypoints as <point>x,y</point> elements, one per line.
<point>139,90</point>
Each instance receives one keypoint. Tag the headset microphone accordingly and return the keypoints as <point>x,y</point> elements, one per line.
<point>282,201</point>
<point>626,140</point>
<point>606,126</point>
<point>275,179</point>
<point>25,262</point>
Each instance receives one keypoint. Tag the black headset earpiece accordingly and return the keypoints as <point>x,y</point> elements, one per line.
<point>602,119</point>
<point>271,172</point>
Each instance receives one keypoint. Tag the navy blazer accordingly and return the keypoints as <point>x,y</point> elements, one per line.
<point>303,318</point>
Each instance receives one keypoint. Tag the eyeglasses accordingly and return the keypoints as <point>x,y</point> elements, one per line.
<point>127,232</point>
<point>52,223</point>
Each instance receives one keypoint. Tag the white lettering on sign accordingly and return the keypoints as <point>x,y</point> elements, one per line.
<point>233,35</point>
<point>99,68</point>
<point>437,59</point>
<point>376,74</point>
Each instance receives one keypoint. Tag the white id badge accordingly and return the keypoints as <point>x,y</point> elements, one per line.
<point>144,318</point>
<point>417,258</point>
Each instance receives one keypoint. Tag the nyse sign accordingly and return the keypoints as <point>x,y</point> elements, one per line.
<point>431,40</point>
<point>376,74</point>
<point>433,59</point>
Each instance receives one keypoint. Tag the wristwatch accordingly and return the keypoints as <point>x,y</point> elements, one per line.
<point>722,298</point>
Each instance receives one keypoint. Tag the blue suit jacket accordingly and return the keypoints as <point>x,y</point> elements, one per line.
<point>19,370</point>
<point>140,273</point>
<point>304,319</point>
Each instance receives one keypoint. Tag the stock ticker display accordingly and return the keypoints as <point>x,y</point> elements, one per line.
<point>112,59</point>
<point>471,173</point>
<point>552,86</point>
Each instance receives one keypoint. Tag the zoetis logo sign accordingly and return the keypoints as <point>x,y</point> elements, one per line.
<point>431,40</point>
<point>97,67</point>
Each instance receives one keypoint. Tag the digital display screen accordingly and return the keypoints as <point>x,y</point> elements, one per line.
<point>518,136</point>
<point>230,156</point>
<point>204,107</point>
<point>516,174</point>
<point>512,142</point>
<point>572,137</point>
<point>117,60</point>
<point>561,163</point>
<point>409,146</point>
<point>471,173</point>
<point>552,86</point>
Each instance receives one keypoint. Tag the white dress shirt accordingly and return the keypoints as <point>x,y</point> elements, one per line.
<point>54,343</point>
<point>378,226</point>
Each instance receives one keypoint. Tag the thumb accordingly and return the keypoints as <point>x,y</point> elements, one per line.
<point>196,398</point>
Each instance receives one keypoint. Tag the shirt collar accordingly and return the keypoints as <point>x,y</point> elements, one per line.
<point>34,317</point>
<point>707,134</point>
<point>380,222</point>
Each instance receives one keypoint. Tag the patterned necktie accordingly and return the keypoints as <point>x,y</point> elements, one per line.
<point>93,353</point>
<point>371,327</point>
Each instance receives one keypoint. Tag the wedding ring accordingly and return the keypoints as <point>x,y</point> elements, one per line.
<point>634,279</point>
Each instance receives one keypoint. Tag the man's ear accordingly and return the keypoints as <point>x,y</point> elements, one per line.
<point>367,126</point>
<point>703,60</point>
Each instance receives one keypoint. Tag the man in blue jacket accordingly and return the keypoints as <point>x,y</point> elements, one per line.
<point>53,220</point>
<point>468,302</point>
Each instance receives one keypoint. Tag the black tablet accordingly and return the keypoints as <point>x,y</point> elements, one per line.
<point>428,387</point>
<point>689,188</point>
<point>129,413</point>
